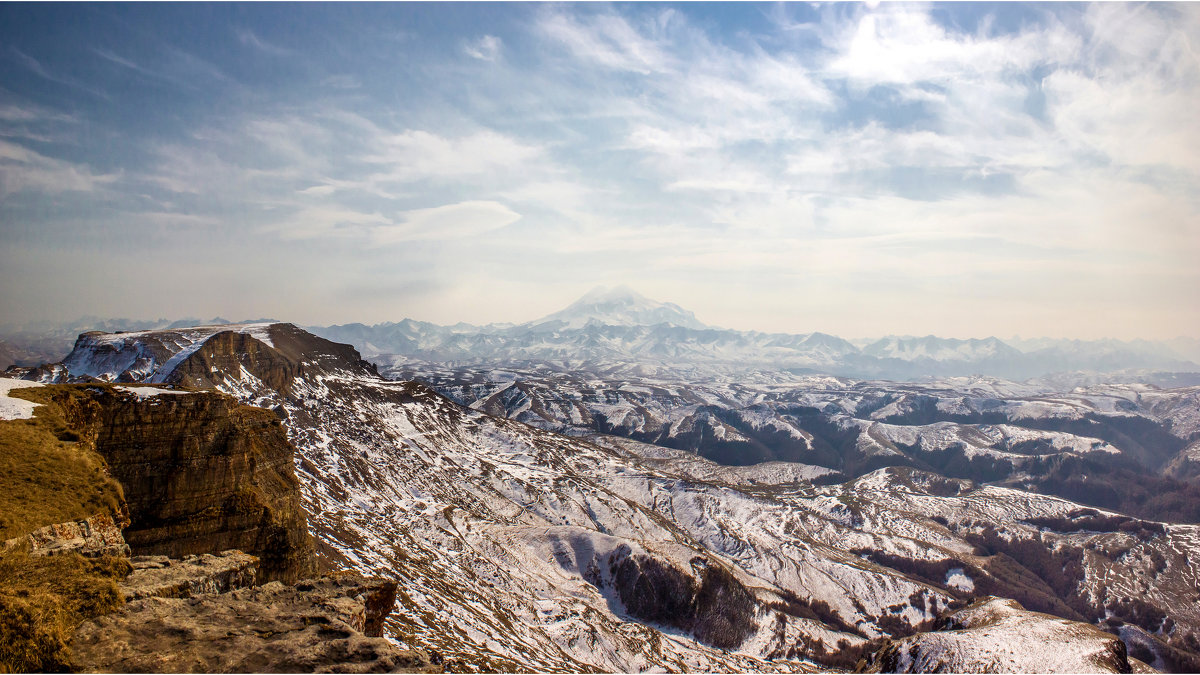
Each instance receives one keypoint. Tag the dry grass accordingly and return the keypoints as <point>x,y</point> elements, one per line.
<point>47,475</point>
<point>44,599</point>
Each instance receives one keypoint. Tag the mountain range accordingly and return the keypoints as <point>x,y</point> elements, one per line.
<point>571,523</point>
<point>617,326</point>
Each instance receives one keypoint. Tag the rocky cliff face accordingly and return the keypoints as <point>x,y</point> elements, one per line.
<point>706,600</point>
<point>201,473</point>
<point>205,614</point>
<point>271,359</point>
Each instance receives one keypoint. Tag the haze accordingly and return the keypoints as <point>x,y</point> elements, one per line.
<point>964,170</point>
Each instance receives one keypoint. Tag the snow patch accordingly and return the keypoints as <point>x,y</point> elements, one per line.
<point>15,408</point>
<point>957,579</point>
<point>148,392</point>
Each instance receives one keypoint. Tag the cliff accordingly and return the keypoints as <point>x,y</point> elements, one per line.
<point>267,360</point>
<point>241,357</point>
<point>200,473</point>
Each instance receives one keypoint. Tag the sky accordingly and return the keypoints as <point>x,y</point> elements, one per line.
<point>963,170</point>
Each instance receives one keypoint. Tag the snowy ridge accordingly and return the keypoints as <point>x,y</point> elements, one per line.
<point>1032,643</point>
<point>145,355</point>
<point>618,306</point>
<point>981,428</point>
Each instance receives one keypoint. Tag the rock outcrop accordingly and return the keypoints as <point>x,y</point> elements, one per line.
<point>158,576</point>
<point>707,600</point>
<point>997,635</point>
<point>204,357</point>
<point>325,625</point>
<point>291,352</point>
<point>95,536</point>
<point>200,473</point>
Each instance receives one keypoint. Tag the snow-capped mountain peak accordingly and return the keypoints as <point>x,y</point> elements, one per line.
<point>619,306</point>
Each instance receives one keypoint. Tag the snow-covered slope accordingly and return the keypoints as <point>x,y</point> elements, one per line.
<point>617,306</point>
<point>144,356</point>
<point>12,408</point>
<point>1124,438</point>
<point>996,635</point>
<point>520,549</point>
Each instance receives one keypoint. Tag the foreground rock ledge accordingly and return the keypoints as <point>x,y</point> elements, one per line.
<point>327,625</point>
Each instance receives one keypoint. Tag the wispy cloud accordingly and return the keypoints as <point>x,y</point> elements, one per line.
<point>40,70</point>
<point>251,39</point>
<point>608,40</point>
<point>486,48</point>
<point>418,154</point>
<point>22,169</point>
<point>447,222</point>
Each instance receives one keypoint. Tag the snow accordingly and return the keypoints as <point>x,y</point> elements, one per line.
<point>148,392</point>
<point>148,356</point>
<point>958,580</point>
<point>619,306</point>
<point>999,636</point>
<point>15,408</point>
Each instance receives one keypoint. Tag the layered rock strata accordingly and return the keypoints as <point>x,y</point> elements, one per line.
<point>95,536</point>
<point>200,473</point>
<point>161,577</point>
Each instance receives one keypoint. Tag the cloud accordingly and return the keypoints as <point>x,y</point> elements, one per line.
<point>486,48</point>
<point>176,67</point>
<point>608,40</point>
<point>899,44</point>
<point>33,122</point>
<point>251,39</point>
<point>25,170</point>
<point>41,71</point>
<point>327,221</point>
<point>440,223</point>
<point>448,222</point>
<point>1133,97</point>
<point>418,155</point>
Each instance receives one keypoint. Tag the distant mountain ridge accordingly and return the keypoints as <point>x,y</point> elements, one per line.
<point>611,326</point>
<point>614,328</point>
<point>618,306</point>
